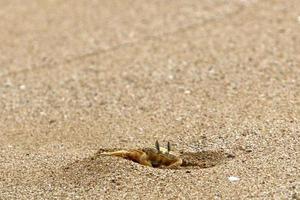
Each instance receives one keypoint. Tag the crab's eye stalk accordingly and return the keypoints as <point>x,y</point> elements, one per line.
<point>157,146</point>
<point>169,147</point>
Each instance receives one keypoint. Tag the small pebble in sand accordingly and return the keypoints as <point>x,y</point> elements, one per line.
<point>178,118</point>
<point>8,83</point>
<point>233,178</point>
<point>43,113</point>
<point>22,87</point>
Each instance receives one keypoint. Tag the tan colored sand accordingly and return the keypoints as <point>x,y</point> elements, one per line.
<point>78,76</point>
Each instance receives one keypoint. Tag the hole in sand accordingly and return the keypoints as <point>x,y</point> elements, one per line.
<point>88,171</point>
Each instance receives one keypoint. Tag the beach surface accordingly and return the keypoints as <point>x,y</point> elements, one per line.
<point>81,77</point>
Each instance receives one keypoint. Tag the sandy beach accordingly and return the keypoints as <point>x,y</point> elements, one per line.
<point>81,77</point>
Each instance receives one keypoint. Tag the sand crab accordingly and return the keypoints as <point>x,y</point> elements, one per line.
<point>153,157</point>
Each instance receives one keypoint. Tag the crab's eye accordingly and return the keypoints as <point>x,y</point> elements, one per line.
<point>157,146</point>
<point>169,146</point>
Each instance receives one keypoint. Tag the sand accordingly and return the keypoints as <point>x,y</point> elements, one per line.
<point>208,76</point>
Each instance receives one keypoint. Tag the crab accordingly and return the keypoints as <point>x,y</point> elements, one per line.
<point>164,158</point>
<point>157,157</point>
